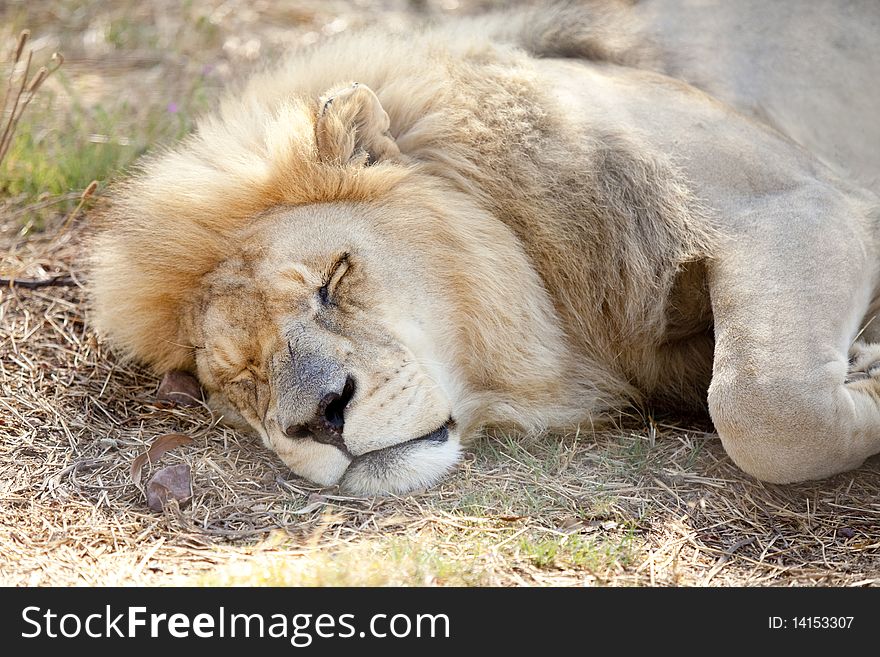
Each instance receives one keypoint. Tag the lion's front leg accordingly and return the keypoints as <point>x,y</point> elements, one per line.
<point>788,295</point>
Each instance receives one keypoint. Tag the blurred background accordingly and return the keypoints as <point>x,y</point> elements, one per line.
<point>137,72</point>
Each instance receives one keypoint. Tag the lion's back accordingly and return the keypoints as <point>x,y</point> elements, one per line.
<point>807,68</point>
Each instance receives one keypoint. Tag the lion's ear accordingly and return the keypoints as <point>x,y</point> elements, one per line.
<point>352,125</point>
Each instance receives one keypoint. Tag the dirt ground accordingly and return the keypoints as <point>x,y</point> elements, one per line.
<point>654,502</point>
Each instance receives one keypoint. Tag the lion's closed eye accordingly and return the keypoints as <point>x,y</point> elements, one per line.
<point>327,291</point>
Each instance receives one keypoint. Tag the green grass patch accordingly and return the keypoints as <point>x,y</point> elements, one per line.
<point>59,148</point>
<point>595,554</point>
<point>398,561</point>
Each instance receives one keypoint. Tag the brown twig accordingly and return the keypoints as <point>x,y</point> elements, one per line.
<point>88,192</point>
<point>22,40</point>
<point>14,114</point>
<point>27,88</point>
<point>34,284</point>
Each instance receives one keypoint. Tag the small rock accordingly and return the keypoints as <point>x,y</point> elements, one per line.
<point>179,388</point>
<point>170,483</point>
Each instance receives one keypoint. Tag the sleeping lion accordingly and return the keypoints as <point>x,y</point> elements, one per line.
<point>527,220</point>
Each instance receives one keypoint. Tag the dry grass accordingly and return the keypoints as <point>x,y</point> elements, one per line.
<point>648,504</point>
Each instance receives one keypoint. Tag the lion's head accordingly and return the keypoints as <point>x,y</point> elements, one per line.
<point>354,309</point>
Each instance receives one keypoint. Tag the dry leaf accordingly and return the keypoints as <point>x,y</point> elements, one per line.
<point>179,388</point>
<point>570,525</point>
<point>170,483</point>
<point>161,445</point>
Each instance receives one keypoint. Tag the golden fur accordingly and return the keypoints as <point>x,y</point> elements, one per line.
<point>482,223</point>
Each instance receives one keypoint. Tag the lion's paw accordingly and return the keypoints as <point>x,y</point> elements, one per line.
<point>864,363</point>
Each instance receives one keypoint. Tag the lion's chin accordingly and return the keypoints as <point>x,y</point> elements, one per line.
<point>402,468</point>
<point>397,469</point>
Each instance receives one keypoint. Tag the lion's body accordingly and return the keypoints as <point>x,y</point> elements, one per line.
<point>565,212</point>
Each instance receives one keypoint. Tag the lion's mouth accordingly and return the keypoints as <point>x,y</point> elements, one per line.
<point>439,435</point>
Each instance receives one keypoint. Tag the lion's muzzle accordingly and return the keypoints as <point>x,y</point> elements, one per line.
<point>312,391</point>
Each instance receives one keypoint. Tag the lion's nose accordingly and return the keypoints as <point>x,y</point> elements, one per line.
<point>329,421</point>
